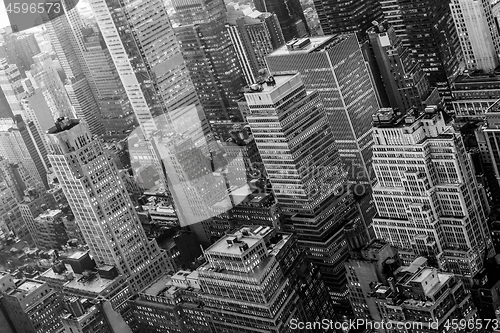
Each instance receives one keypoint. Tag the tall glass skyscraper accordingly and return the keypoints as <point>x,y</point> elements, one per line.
<point>334,66</point>
<point>305,170</point>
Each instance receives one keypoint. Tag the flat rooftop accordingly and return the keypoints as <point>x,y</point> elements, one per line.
<point>96,284</point>
<point>255,234</point>
<point>267,88</point>
<point>158,286</point>
<point>316,44</point>
<point>26,287</point>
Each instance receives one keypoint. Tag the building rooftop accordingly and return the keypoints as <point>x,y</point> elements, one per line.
<point>50,213</point>
<point>308,45</point>
<point>92,283</point>
<point>272,83</point>
<point>25,288</point>
<point>158,286</point>
<point>63,124</point>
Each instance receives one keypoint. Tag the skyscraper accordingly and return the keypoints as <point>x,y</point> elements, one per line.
<point>254,35</point>
<point>65,34</point>
<point>478,33</point>
<point>427,29</point>
<point>211,60</point>
<point>405,82</point>
<point>19,49</point>
<point>17,146</point>
<point>11,86</point>
<point>46,78</point>
<point>116,111</point>
<point>427,197</point>
<point>347,16</point>
<point>255,279</point>
<point>335,67</point>
<point>304,167</point>
<point>106,216</point>
<point>290,16</point>
<point>149,61</point>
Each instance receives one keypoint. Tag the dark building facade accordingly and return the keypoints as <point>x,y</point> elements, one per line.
<point>347,16</point>
<point>211,60</point>
<point>290,15</point>
<point>427,28</point>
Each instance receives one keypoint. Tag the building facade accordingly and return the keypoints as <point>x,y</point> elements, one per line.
<point>106,216</point>
<point>335,67</point>
<point>426,196</point>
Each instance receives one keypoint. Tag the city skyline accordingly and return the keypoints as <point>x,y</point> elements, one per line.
<point>254,166</point>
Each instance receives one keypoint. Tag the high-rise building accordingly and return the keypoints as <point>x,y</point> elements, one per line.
<point>428,298</point>
<point>254,36</point>
<point>153,73</point>
<point>47,79</point>
<point>33,204</point>
<point>211,60</point>
<point>473,93</point>
<point>290,16</point>
<point>491,132</point>
<point>106,216</point>
<point>32,306</point>
<point>50,229</point>
<point>427,29</point>
<point>65,36</point>
<point>116,111</point>
<point>367,264</point>
<point>405,82</point>
<point>347,16</point>
<point>17,146</point>
<point>298,150</point>
<point>334,66</point>
<point>10,215</point>
<point>478,33</point>
<point>10,84</point>
<point>255,279</point>
<point>19,49</point>
<point>427,196</point>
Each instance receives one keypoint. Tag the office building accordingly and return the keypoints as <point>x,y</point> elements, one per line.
<point>427,28</point>
<point>66,39</point>
<point>478,33</point>
<point>335,67</point>
<point>85,316</point>
<point>18,147</point>
<point>368,264</point>
<point>155,76</point>
<point>261,293</point>
<point>116,111</point>
<point>491,132</point>
<point>473,93</point>
<point>426,196</point>
<point>404,81</point>
<point>32,306</point>
<point>197,189</point>
<point>242,156</point>
<point>290,16</point>
<point>112,231</point>
<point>254,36</point>
<point>304,168</point>
<point>255,207</point>
<point>50,229</point>
<point>211,60</point>
<point>11,86</point>
<point>46,78</point>
<point>19,49</point>
<point>76,276</point>
<point>347,16</point>
<point>11,219</point>
<point>424,295</point>
<point>33,204</point>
